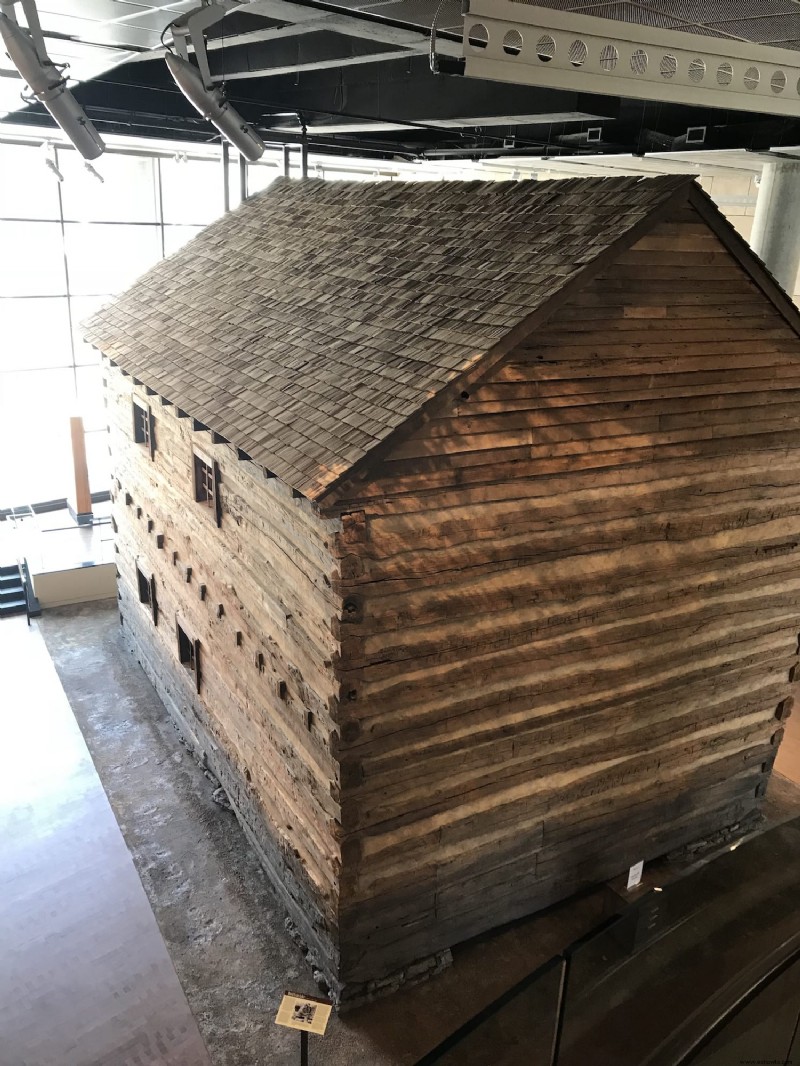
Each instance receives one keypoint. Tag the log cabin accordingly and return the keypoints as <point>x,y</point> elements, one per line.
<point>458,527</point>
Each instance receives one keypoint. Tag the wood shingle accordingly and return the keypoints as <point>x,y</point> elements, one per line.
<point>312,322</point>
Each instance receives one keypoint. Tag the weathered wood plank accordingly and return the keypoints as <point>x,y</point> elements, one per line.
<point>267,692</point>
<point>576,604</point>
<point>554,631</point>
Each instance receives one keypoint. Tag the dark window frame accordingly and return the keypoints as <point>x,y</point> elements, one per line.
<point>147,590</point>
<point>144,427</point>
<point>188,651</point>
<point>205,484</point>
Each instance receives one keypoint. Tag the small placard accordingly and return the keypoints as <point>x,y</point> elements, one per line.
<point>306,1013</point>
<point>635,875</point>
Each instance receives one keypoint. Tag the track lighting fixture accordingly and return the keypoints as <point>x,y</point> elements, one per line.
<point>213,106</point>
<point>26,50</point>
<point>196,84</point>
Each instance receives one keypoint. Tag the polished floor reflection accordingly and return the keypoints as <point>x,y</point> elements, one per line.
<point>52,541</point>
<point>85,978</point>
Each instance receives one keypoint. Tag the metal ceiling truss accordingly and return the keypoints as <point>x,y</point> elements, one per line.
<point>531,45</point>
<point>334,40</point>
<point>357,73</point>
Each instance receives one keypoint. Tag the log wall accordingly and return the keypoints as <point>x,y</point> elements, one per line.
<point>257,595</point>
<point>572,606</point>
<point>555,632</point>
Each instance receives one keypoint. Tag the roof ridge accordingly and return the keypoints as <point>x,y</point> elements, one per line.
<point>481,365</point>
<point>363,300</point>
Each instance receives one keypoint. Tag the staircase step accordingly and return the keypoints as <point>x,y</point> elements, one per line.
<point>9,571</point>
<point>12,607</point>
<point>15,593</point>
<point>10,579</point>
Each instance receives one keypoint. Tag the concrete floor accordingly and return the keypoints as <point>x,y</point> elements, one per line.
<point>221,923</point>
<point>85,977</point>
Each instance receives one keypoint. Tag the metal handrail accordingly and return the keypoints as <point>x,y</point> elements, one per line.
<point>743,989</point>
<point>691,1032</point>
<point>32,608</point>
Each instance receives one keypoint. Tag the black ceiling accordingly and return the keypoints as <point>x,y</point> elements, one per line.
<point>393,105</point>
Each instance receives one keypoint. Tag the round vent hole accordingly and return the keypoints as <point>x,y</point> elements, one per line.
<point>546,48</point>
<point>752,78</point>
<point>697,70</point>
<point>724,74</point>
<point>778,83</point>
<point>512,43</point>
<point>578,53</point>
<point>669,66</point>
<point>639,61</point>
<point>609,57</point>
<point>478,35</point>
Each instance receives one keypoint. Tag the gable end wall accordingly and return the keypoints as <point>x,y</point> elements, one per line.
<point>576,606</point>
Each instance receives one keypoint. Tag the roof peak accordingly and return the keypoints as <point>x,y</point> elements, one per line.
<point>315,320</point>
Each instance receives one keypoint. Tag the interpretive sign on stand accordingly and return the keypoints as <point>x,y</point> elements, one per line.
<point>306,1013</point>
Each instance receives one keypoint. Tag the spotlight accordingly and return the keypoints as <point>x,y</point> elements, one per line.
<point>212,106</point>
<point>196,83</point>
<point>49,86</point>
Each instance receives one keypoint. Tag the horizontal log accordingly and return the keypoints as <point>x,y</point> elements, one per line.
<point>578,607</point>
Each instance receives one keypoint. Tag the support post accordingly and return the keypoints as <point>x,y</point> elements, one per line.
<point>303,1048</point>
<point>304,151</point>
<point>242,178</point>
<point>776,226</point>
<point>226,177</point>
<point>558,1026</point>
<point>80,502</point>
<point>286,161</point>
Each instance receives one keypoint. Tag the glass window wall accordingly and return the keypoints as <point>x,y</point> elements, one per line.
<point>66,248</point>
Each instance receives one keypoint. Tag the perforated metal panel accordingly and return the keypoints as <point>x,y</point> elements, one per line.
<point>600,55</point>
<point>772,22</point>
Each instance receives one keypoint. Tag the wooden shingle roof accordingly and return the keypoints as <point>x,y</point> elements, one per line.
<point>313,321</point>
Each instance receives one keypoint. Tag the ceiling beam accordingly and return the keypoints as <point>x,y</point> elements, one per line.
<point>271,33</point>
<point>530,45</point>
<point>331,125</point>
<point>315,51</point>
<point>407,94</point>
<point>298,20</point>
<point>318,64</point>
<point>363,26</point>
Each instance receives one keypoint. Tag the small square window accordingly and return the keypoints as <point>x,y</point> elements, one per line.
<point>189,653</point>
<point>144,427</point>
<point>206,483</point>
<point>147,591</point>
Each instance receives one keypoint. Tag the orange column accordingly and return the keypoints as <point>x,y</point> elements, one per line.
<point>81,503</point>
